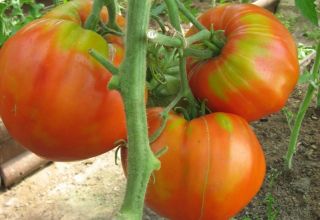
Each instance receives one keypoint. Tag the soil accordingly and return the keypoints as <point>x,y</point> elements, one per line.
<point>94,188</point>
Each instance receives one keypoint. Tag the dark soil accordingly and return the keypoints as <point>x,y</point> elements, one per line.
<point>295,193</point>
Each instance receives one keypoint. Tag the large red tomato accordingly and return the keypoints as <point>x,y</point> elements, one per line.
<point>257,68</point>
<point>54,96</point>
<point>213,167</point>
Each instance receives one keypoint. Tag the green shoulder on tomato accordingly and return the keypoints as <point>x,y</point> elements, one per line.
<point>256,69</point>
<point>54,96</point>
<point>213,166</point>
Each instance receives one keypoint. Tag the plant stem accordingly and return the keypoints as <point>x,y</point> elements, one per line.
<point>196,23</point>
<point>185,90</point>
<point>201,54</point>
<point>172,41</point>
<point>302,111</point>
<point>318,99</point>
<point>141,160</point>
<point>201,35</point>
<point>189,16</point>
<point>112,15</point>
<point>94,17</point>
<point>104,62</point>
<point>162,39</point>
<point>316,66</point>
<point>173,12</point>
<point>159,22</point>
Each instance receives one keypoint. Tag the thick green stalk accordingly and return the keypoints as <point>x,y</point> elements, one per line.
<point>141,161</point>
<point>302,111</point>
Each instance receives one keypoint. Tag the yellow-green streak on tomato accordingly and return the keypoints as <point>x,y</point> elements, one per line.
<point>257,68</point>
<point>224,121</point>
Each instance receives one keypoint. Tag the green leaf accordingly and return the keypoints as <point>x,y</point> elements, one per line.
<point>305,77</point>
<point>35,10</point>
<point>308,9</point>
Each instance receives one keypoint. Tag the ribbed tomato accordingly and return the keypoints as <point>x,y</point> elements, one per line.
<point>54,96</point>
<point>257,68</point>
<point>213,167</point>
<point>78,11</point>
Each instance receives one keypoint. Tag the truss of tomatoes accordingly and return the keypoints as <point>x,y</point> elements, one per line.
<point>214,164</point>
<point>55,102</point>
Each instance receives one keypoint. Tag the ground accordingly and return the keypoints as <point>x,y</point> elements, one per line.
<point>94,188</point>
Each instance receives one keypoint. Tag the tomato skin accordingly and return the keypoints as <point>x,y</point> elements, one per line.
<point>213,167</point>
<point>257,68</point>
<point>78,11</point>
<point>54,96</point>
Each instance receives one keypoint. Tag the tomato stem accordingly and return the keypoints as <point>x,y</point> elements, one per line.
<point>162,39</point>
<point>103,61</point>
<point>159,22</point>
<point>185,90</point>
<point>201,54</point>
<point>171,41</point>
<point>94,17</point>
<point>210,44</point>
<point>106,30</point>
<point>112,15</point>
<point>302,111</point>
<point>199,36</point>
<point>164,116</point>
<point>173,13</point>
<point>318,99</point>
<point>189,15</point>
<point>141,160</point>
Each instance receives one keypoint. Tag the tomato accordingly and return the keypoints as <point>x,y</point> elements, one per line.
<point>78,11</point>
<point>257,68</point>
<point>54,96</point>
<point>213,167</point>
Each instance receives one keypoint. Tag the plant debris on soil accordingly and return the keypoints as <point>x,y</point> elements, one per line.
<point>94,188</point>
